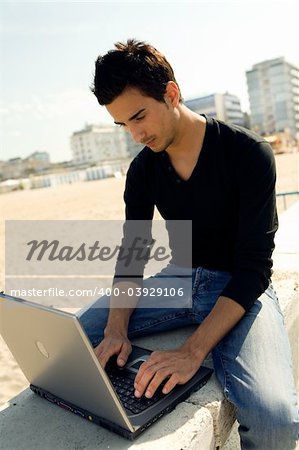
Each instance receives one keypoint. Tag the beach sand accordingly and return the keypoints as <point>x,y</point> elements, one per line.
<point>93,200</point>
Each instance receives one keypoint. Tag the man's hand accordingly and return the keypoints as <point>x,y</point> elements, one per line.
<point>115,340</point>
<point>114,344</point>
<point>177,366</point>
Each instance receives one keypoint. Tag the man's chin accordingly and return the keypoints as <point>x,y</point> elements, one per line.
<point>155,148</point>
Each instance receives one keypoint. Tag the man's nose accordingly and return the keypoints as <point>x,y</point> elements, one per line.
<point>137,134</point>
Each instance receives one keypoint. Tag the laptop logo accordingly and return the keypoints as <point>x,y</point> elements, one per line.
<point>41,348</point>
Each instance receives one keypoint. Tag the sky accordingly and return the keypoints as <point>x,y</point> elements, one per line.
<point>48,50</point>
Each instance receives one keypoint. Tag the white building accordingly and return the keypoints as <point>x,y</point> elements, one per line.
<point>273,88</point>
<point>98,143</point>
<point>132,147</point>
<point>225,107</point>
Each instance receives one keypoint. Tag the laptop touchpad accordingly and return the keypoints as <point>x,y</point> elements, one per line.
<point>133,366</point>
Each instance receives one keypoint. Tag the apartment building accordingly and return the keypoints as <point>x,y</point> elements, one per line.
<point>273,88</point>
<point>224,107</point>
<point>98,143</point>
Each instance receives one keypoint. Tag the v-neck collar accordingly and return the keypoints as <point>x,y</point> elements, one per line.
<point>172,170</point>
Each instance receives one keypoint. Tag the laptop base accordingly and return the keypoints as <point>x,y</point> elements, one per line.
<point>87,415</point>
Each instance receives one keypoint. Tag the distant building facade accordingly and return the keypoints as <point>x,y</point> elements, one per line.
<point>273,88</point>
<point>38,161</point>
<point>98,143</point>
<point>132,148</point>
<point>224,107</point>
<point>42,157</point>
<point>16,168</point>
<point>13,168</point>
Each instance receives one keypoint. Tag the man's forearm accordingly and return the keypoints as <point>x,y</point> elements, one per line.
<point>121,308</point>
<point>223,317</point>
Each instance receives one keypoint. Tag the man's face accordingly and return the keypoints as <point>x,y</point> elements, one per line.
<point>150,122</point>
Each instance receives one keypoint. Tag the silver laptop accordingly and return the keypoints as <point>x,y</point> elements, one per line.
<point>57,358</point>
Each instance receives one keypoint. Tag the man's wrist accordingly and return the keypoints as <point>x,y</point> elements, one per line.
<point>223,317</point>
<point>113,331</point>
<point>118,321</point>
<point>194,349</point>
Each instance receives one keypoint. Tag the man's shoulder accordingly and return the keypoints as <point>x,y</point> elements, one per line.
<point>237,134</point>
<point>243,146</point>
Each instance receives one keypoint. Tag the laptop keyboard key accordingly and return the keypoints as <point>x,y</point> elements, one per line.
<point>124,388</point>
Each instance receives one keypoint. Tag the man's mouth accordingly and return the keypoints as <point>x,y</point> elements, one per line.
<point>150,141</point>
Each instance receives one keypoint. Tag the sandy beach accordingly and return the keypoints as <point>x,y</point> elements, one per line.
<point>93,200</point>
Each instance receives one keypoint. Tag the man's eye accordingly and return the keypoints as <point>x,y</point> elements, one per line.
<point>140,118</point>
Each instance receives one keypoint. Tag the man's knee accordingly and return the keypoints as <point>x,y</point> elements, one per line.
<point>271,425</point>
<point>284,419</point>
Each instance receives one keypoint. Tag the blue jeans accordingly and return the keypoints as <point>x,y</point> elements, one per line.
<point>252,362</point>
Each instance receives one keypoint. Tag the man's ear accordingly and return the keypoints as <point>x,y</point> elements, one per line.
<point>172,94</point>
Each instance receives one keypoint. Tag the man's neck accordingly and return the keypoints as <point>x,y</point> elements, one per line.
<point>189,138</point>
<point>185,149</point>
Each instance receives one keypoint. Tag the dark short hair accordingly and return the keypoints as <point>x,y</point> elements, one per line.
<point>131,64</point>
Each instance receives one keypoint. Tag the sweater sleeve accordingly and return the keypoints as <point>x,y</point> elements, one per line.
<point>137,238</point>
<point>257,223</point>
<point>139,205</point>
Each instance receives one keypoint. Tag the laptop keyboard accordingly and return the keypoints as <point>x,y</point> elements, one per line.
<point>124,386</point>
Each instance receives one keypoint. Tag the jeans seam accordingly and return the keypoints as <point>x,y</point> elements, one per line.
<point>226,378</point>
<point>195,281</point>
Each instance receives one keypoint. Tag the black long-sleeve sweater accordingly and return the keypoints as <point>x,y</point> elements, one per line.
<point>230,198</point>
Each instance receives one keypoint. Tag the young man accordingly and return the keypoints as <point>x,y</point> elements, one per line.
<point>221,177</point>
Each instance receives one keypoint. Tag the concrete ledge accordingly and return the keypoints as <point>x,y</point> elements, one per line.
<point>285,277</point>
<point>29,422</point>
<point>286,286</point>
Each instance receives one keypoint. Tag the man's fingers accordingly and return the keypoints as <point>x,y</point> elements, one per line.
<point>102,355</point>
<point>147,366</point>
<point>170,384</point>
<point>124,354</point>
<point>159,378</point>
<point>106,349</point>
<point>150,380</point>
<point>171,368</point>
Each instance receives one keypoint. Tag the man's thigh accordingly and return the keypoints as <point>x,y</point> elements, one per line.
<point>165,303</point>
